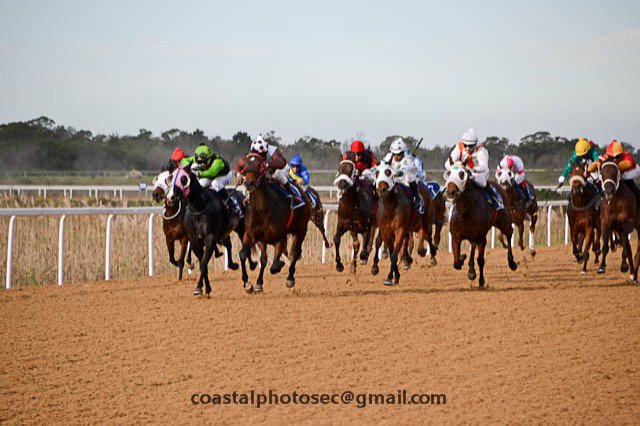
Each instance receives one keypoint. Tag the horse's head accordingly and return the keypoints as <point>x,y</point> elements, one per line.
<point>180,186</point>
<point>504,178</point>
<point>384,180</point>
<point>253,171</point>
<point>455,180</point>
<point>160,186</point>
<point>610,178</point>
<point>346,175</point>
<point>577,176</point>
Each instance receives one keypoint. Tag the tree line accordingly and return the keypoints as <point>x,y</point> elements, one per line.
<point>41,144</point>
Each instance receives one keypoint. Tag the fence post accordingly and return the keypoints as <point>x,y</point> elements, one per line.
<point>493,237</point>
<point>61,251</point>
<point>107,257</point>
<point>450,238</point>
<point>326,226</point>
<point>151,244</point>
<point>12,222</point>
<point>566,229</point>
<point>549,226</point>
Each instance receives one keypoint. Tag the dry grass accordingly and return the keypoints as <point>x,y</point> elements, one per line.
<point>36,243</point>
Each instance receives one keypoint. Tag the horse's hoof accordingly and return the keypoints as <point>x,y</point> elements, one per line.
<point>208,295</point>
<point>197,292</point>
<point>257,288</point>
<point>218,254</point>
<point>471,275</point>
<point>583,272</point>
<point>601,270</point>
<point>291,283</point>
<point>375,270</point>
<point>624,268</point>
<point>274,270</point>
<point>406,266</point>
<point>385,255</point>
<point>247,287</point>
<point>481,284</point>
<point>191,265</point>
<point>458,266</point>
<point>339,267</point>
<point>533,252</point>
<point>253,265</point>
<point>513,265</point>
<point>352,268</point>
<point>233,266</point>
<point>463,257</point>
<point>388,282</point>
<point>422,252</point>
<point>631,279</point>
<point>434,262</point>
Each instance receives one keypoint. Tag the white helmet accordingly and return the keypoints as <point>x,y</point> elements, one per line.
<point>259,145</point>
<point>398,146</point>
<point>469,138</point>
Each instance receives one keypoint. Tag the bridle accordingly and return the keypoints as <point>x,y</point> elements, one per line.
<point>252,156</point>
<point>616,182</point>
<point>349,179</point>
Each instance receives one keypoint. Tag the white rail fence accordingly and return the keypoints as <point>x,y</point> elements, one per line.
<point>151,212</point>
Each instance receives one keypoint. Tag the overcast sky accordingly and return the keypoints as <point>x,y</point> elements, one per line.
<point>330,69</point>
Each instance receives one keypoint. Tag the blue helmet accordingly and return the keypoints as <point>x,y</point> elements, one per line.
<point>296,160</point>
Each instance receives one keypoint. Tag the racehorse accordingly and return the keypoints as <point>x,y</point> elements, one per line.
<point>520,209</point>
<point>207,221</point>
<point>317,213</point>
<point>397,220</point>
<point>356,214</point>
<point>619,213</point>
<point>269,219</point>
<point>472,217</point>
<point>583,214</point>
<point>440,207</point>
<point>172,223</point>
<point>423,226</point>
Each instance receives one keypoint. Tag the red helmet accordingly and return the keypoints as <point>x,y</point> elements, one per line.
<point>177,155</point>
<point>357,146</point>
<point>509,162</point>
<point>614,149</point>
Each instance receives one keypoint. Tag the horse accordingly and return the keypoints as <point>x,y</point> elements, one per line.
<point>472,217</point>
<point>172,224</point>
<point>583,214</point>
<point>520,210</point>
<point>440,218</point>
<point>317,213</point>
<point>619,213</point>
<point>356,214</point>
<point>397,220</point>
<point>207,221</point>
<point>269,219</point>
<point>423,226</point>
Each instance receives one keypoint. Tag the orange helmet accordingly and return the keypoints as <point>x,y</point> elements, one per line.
<point>177,155</point>
<point>357,146</point>
<point>614,149</point>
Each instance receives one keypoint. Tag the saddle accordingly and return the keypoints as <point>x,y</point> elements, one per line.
<point>432,187</point>
<point>312,198</point>
<point>492,196</point>
<point>418,204</point>
<point>288,195</point>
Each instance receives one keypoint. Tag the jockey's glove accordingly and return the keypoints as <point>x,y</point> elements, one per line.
<point>561,180</point>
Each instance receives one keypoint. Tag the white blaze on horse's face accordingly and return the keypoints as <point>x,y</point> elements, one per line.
<point>456,176</point>
<point>385,174</point>
<point>162,181</point>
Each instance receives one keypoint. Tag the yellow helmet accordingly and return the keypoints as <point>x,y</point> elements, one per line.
<point>582,147</point>
<point>614,149</point>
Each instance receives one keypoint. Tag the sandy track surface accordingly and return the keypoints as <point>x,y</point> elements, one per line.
<point>543,344</point>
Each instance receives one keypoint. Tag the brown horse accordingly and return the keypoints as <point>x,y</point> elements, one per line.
<point>619,213</point>
<point>397,219</point>
<point>423,226</point>
<point>520,209</point>
<point>583,214</point>
<point>172,224</point>
<point>269,219</point>
<point>472,218</point>
<point>355,214</point>
<point>317,213</point>
<point>440,206</point>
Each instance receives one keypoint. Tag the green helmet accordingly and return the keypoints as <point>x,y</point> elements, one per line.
<point>203,154</point>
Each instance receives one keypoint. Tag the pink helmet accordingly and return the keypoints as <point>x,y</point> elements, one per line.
<point>509,162</point>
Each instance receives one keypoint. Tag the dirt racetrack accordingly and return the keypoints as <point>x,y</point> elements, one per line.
<point>543,344</point>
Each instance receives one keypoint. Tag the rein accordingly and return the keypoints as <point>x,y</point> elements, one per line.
<point>616,182</point>
<point>164,211</point>
<point>591,203</point>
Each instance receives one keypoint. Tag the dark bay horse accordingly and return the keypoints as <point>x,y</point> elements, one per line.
<point>269,219</point>
<point>583,214</point>
<point>207,221</point>
<point>355,214</point>
<point>172,223</point>
<point>317,213</point>
<point>619,213</point>
<point>472,218</point>
<point>440,218</point>
<point>520,210</point>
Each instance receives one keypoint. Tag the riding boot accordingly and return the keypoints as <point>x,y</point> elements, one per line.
<point>296,201</point>
<point>494,196</point>
<point>417,199</point>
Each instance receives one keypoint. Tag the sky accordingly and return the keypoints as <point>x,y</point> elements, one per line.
<point>331,69</point>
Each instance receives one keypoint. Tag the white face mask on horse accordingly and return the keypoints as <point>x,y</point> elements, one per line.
<point>458,176</point>
<point>162,181</point>
<point>504,177</point>
<point>384,173</point>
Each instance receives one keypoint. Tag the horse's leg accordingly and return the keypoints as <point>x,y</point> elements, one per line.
<point>586,247</point>
<point>507,230</point>
<point>633,274</point>
<point>209,248</point>
<point>436,239</point>
<point>318,220</point>
<point>390,242</point>
<point>245,253</point>
<point>172,250</point>
<point>458,260</point>
<point>596,243</point>
<point>472,270</point>
<point>433,248</point>
<point>521,234</point>
<point>626,260</point>
<point>400,242</point>
<point>606,236</point>
<point>501,239</point>
<point>340,230</point>
<point>636,262</point>
<point>422,251</point>
<point>230,263</point>
<point>481,246</point>
<point>374,267</point>
<point>263,264</point>
<point>407,249</point>
<point>356,250</point>
<point>366,246</point>
<point>277,264</point>
<point>532,230</point>
<point>296,252</point>
<point>183,253</point>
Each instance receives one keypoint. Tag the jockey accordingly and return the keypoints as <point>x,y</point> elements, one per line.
<point>175,160</point>
<point>629,169</point>
<point>298,172</point>
<point>212,171</point>
<point>275,165</point>
<point>407,168</point>
<point>362,158</point>
<point>516,166</point>
<point>584,150</point>
<point>476,159</point>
